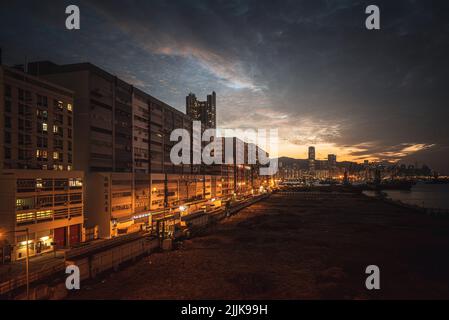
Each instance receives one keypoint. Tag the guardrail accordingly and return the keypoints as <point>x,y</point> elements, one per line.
<point>21,281</point>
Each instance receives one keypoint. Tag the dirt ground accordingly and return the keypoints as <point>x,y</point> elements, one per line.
<point>296,247</point>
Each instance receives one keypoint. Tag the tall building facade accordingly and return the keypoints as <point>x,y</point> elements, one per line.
<point>39,191</point>
<point>204,111</point>
<point>104,117</point>
<point>332,161</point>
<point>124,138</point>
<point>36,123</point>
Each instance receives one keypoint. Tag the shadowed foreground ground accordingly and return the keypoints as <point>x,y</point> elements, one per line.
<point>295,247</point>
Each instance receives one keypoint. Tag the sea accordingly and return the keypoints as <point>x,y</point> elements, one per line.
<point>425,195</point>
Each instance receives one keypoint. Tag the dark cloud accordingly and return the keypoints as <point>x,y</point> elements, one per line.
<point>309,67</point>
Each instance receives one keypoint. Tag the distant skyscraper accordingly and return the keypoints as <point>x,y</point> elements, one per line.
<point>332,161</point>
<point>204,111</point>
<point>311,159</point>
<point>311,153</point>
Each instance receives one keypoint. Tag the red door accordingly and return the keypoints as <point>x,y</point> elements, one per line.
<point>75,232</point>
<point>60,237</point>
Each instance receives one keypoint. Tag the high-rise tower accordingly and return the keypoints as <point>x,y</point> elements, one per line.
<point>311,159</point>
<point>204,111</point>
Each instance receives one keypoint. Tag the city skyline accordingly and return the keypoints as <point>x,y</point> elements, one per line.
<point>360,95</point>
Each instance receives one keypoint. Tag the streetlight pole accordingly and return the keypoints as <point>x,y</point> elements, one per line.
<point>28,263</point>
<point>165,202</point>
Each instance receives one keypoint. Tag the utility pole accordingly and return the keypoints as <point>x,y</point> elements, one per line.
<point>28,263</point>
<point>165,202</point>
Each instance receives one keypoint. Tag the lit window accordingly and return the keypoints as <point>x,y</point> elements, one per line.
<point>25,217</point>
<point>69,107</point>
<point>55,156</point>
<point>76,182</point>
<point>40,215</point>
<point>55,129</point>
<point>41,154</point>
<point>69,168</point>
<point>44,127</point>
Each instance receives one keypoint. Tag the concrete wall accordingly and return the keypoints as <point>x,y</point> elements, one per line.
<point>91,266</point>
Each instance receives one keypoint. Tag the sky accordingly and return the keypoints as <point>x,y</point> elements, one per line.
<point>308,68</point>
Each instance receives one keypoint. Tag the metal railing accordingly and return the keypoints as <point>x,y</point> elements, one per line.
<point>21,281</point>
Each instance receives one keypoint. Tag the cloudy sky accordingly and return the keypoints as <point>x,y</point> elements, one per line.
<point>309,68</point>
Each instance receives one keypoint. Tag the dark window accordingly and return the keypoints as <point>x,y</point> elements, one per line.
<point>7,137</point>
<point>7,153</point>
<point>42,142</point>
<point>7,122</point>
<point>45,101</point>
<point>21,95</point>
<point>7,91</point>
<point>22,109</point>
<point>7,105</point>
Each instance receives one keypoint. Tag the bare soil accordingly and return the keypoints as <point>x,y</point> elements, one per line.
<point>296,247</point>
